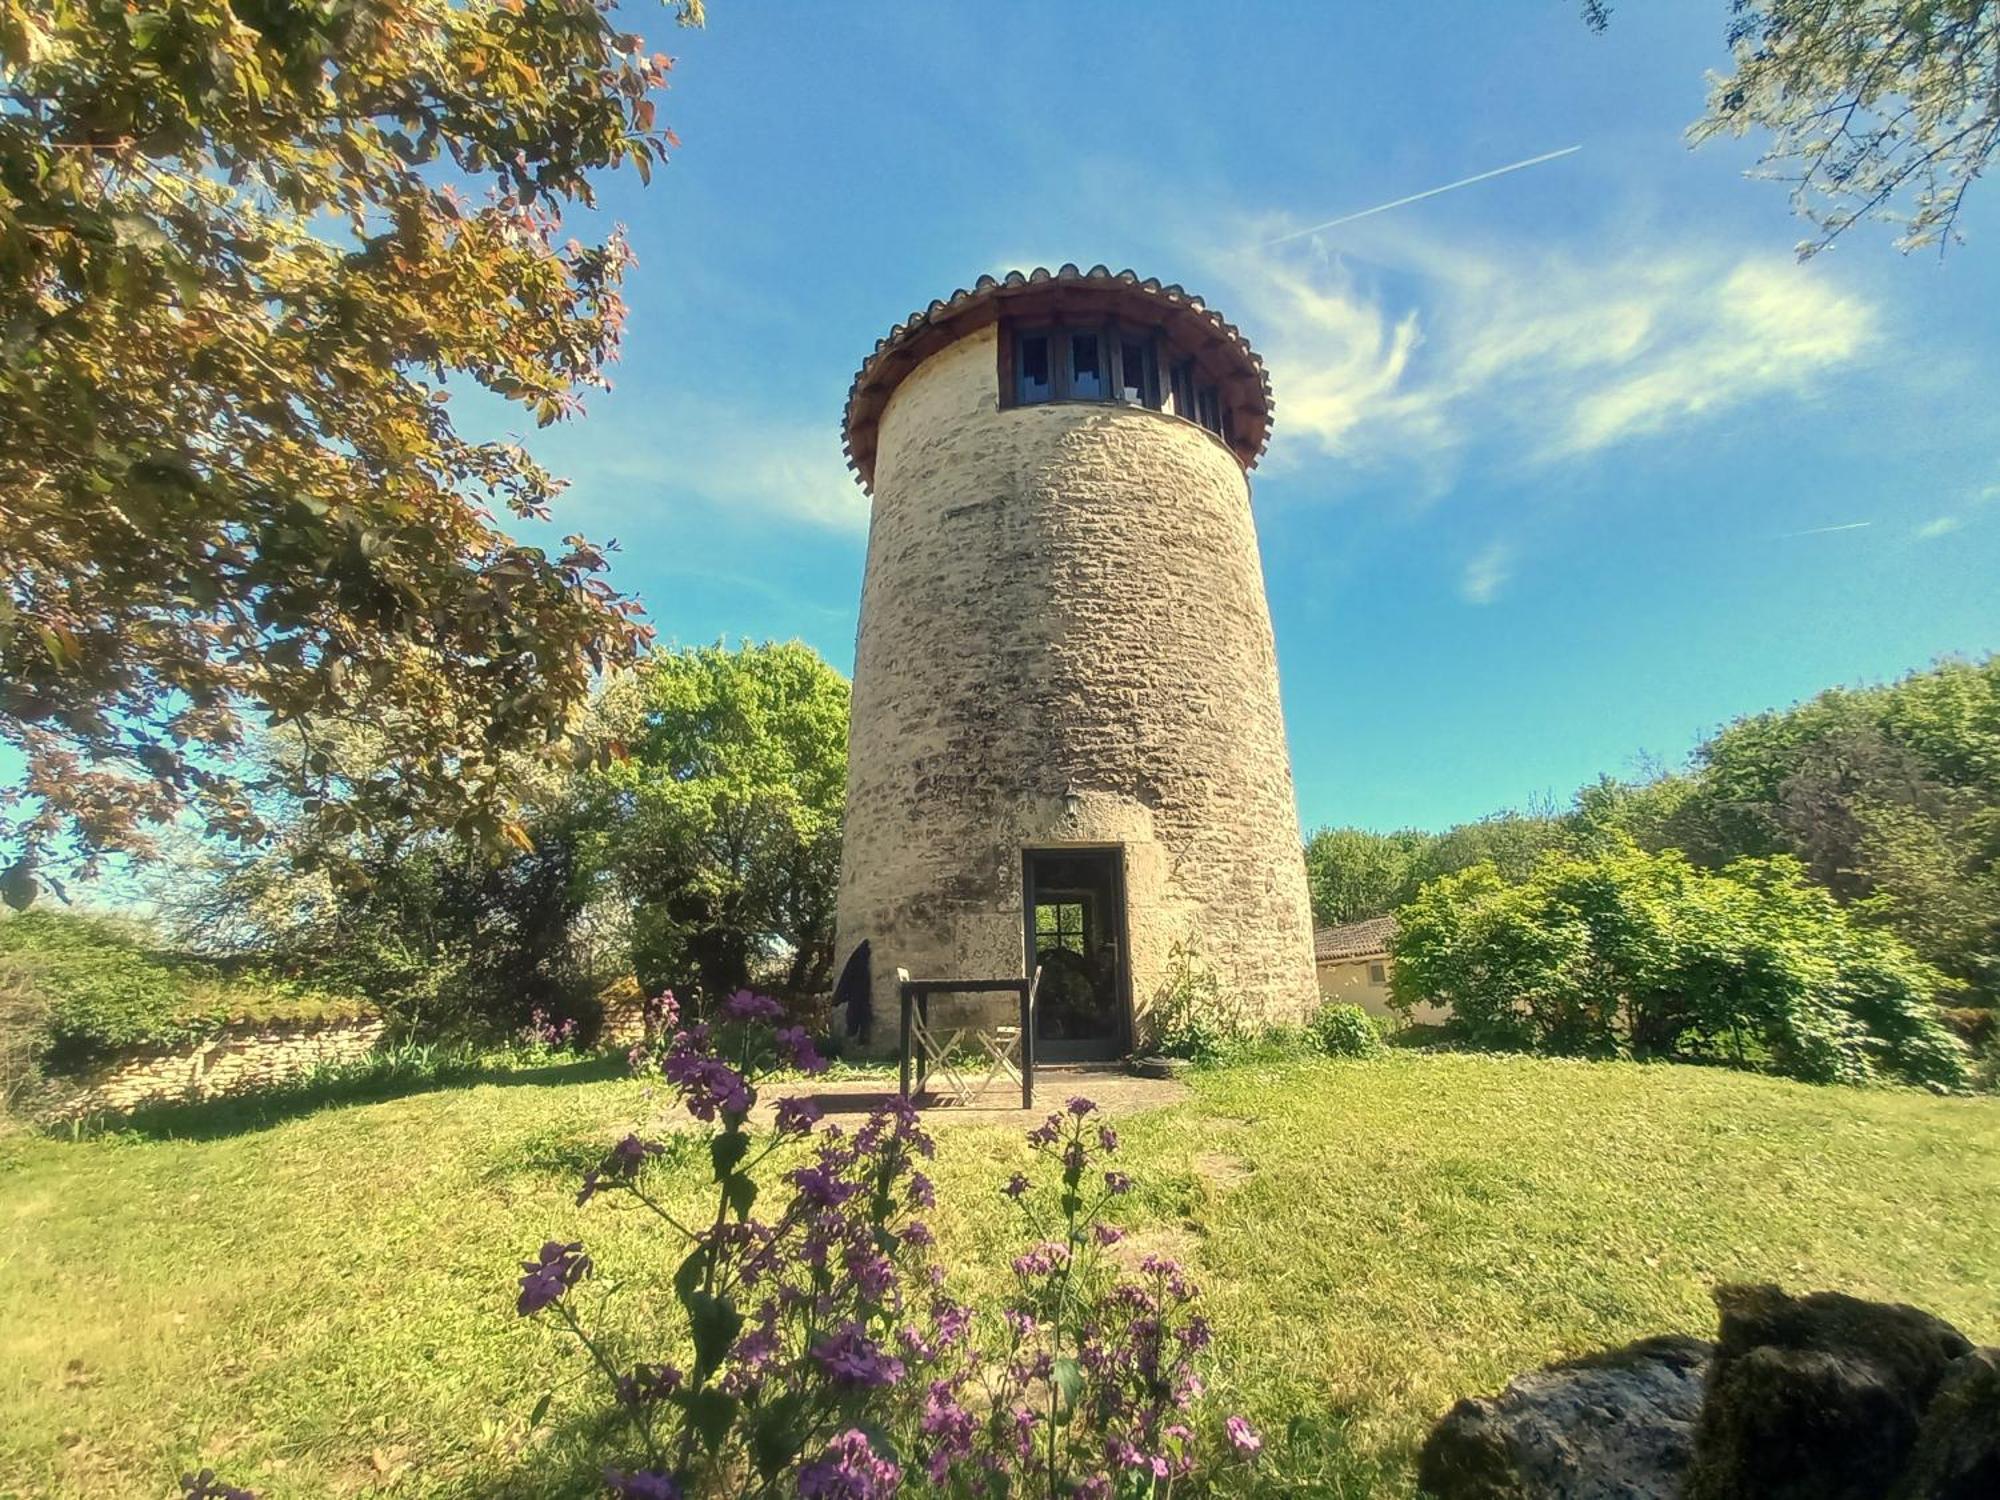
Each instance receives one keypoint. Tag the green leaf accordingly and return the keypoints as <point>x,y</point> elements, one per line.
<point>17,886</point>
<point>726,1150</point>
<point>145,27</point>
<point>541,1409</point>
<point>1068,1378</point>
<point>710,1412</point>
<point>778,1432</point>
<point>741,1192</point>
<point>688,1276</point>
<point>714,1323</point>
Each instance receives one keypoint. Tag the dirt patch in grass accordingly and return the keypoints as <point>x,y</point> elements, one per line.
<point>1222,1170</point>
<point>1177,1242</point>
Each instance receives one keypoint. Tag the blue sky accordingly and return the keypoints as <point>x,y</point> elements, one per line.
<point>1558,456</point>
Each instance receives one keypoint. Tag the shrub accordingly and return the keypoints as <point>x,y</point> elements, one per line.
<point>1645,955</point>
<point>1344,1030</point>
<point>98,989</point>
<point>822,1355</point>
<point>1191,1016</point>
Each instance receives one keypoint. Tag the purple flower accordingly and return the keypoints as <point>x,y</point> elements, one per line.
<point>1106,1234</point>
<point>1117,1184</point>
<point>544,1281</point>
<point>205,1486</point>
<point>873,1274</point>
<point>851,1357</point>
<point>1080,1106</point>
<point>849,1470</point>
<point>632,1153</point>
<point>1045,1133</point>
<point>745,1005</point>
<point>1242,1436</point>
<point>621,1164</point>
<point>922,1193</point>
<point>917,1235</point>
<point>1043,1260</point>
<point>1016,1186</point>
<point>1107,1139</point>
<point>642,1484</point>
<point>648,1384</point>
<point>707,1085</point>
<point>948,1426</point>
<point>663,1013</point>
<point>796,1045</point>
<point>1024,1430</point>
<point>797,1115</point>
<point>822,1185</point>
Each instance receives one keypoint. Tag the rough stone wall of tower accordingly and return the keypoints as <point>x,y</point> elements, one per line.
<point>1064,609</point>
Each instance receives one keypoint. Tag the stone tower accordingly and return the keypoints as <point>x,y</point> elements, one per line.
<point>1066,745</point>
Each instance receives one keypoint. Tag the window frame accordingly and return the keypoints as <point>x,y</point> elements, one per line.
<point>1017,371</point>
<point>1059,935</point>
<point>1070,334</point>
<point>1171,382</point>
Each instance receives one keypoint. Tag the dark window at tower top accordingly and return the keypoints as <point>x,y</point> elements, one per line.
<point>1086,367</point>
<point>1032,363</point>
<point>1112,364</point>
<point>1138,381</point>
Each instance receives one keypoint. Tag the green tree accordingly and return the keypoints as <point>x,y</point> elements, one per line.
<point>1648,812</point>
<point>251,250</point>
<point>448,934</point>
<point>1886,109</point>
<point>1511,842</point>
<point>721,826</point>
<point>1626,953</point>
<point>1354,873</point>
<point>1889,796</point>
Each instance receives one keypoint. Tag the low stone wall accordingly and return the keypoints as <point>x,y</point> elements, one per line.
<point>239,1059</point>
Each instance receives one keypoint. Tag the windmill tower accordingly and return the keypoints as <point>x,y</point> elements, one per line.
<point>1066,744</point>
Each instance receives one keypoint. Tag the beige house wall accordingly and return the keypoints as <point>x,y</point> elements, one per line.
<point>1064,641</point>
<point>1349,980</point>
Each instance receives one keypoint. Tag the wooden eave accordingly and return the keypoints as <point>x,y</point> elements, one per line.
<point>1189,326</point>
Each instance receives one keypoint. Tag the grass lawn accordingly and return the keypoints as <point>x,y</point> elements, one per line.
<point>323,1305</point>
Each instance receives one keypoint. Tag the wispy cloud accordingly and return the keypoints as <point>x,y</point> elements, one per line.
<point>728,459</point>
<point>1942,526</point>
<point>1825,530</point>
<point>1449,187</point>
<point>1486,573</point>
<point>1424,347</point>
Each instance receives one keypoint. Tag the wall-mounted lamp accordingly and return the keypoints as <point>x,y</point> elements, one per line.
<point>1072,801</point>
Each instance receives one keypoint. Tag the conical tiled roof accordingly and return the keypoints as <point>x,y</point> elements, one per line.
<point>1194,328</point>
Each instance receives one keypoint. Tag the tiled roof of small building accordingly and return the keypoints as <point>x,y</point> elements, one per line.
<point>1369,939</point>
<point>929,329</point>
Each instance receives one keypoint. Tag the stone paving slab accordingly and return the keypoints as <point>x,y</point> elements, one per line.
<point>1113,1090</point>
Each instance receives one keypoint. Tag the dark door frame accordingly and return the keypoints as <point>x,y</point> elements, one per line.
<point>1119,1044</point>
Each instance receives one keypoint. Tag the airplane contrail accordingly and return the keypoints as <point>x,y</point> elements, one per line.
<point>1823,530</point>
<point>1383,208</point>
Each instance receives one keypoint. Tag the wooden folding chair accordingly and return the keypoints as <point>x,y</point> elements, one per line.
<point>1009,1049</point>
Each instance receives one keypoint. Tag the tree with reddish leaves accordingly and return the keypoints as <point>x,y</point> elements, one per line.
<point>249,250</point>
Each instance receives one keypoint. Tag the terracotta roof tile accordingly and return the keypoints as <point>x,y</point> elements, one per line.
<point>1368,939</point>
<point>977,305</point>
